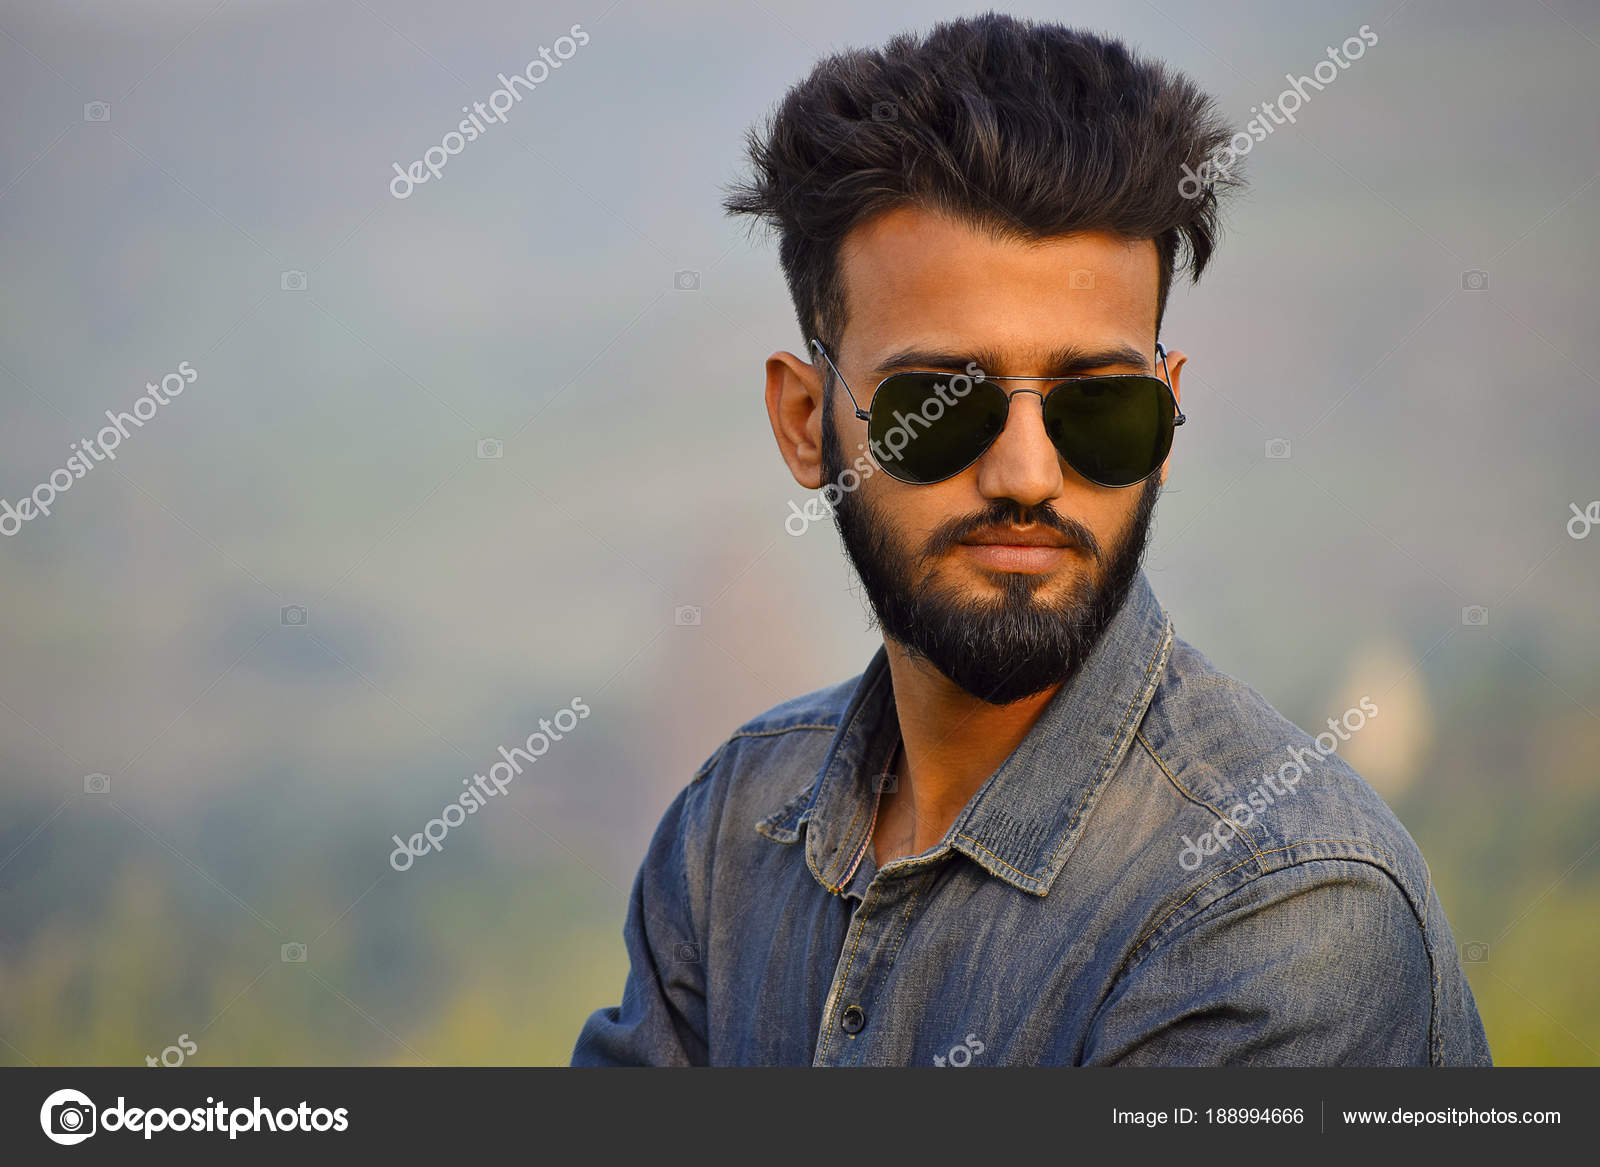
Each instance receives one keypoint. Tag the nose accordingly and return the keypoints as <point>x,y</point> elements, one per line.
<point>1022,464</point>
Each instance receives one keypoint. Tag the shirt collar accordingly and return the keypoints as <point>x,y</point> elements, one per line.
<point>1024,820</point>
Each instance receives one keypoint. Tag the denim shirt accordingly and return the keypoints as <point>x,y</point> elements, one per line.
<point>1125,889</point>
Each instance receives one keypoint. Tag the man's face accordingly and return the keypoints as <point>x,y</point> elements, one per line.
<point>1004,576</point>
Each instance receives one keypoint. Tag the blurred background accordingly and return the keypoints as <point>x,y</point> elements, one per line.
<point>453,459</point>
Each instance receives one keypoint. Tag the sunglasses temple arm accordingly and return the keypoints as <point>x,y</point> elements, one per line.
<point>1161,351</point>
<point>862,414</point>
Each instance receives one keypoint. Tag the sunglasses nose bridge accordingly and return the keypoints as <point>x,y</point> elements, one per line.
<point>1021,462</point>
<point>1006,418</point>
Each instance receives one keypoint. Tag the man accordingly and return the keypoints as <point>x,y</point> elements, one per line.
<point>1039,829</point>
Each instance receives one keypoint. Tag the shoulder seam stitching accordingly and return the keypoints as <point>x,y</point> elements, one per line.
<point>1371,862</point>
<point>748,733</point>
<point>1250,842</point>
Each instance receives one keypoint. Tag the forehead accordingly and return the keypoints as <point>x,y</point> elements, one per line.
<point>916,276</point>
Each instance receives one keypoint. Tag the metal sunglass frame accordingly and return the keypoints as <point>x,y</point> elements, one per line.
<point>1178,417</point>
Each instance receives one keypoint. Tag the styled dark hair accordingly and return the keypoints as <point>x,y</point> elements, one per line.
<point>1026,129</point>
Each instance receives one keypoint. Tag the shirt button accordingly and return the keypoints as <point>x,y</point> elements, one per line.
<point>853,1021</point>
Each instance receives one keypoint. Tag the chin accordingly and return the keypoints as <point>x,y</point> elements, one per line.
<point>1071,579</point>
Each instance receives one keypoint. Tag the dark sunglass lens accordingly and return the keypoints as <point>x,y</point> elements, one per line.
<point>922,435</point>
<point>1114,431</point>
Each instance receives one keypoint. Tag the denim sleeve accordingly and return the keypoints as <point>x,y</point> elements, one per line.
<point>662,1018</point>
<point>1319,964</point>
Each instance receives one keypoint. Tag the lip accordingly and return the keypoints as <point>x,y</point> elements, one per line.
<point>1029,551</point>
<point>1015,537</point>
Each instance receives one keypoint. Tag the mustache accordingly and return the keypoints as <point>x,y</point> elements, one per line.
<point>1008,512</point>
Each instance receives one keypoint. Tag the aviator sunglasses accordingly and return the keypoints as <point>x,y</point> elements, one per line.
<point>1114,430</point>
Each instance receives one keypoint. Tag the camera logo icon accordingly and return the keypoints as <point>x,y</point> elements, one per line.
<point>1080,279</point>
<point>68,1117</point>
<point>292,281</point>
<point>1475,952</point>
<point>97,111</point>
<point>1278,449</point>
<point>885,111</point>
<point>1475,616</point>
<point>491,448</point>
<point>686,280</point>
<point>686,953</point>
<point>292,616</point>
<point>292,953</point>
<point>97,784</point>
<point>686,616</point>
<point>1475,280</point>
<point>888,784</point>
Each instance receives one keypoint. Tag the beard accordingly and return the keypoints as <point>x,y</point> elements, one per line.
<point>999,648</point>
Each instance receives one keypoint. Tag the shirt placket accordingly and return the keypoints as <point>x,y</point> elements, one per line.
<point>847,1035</point>
<point>852,1020</point>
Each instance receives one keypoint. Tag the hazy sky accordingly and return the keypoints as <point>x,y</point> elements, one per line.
<point>233,210</point>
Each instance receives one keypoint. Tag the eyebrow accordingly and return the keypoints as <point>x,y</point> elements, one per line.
<point>1065,361</point>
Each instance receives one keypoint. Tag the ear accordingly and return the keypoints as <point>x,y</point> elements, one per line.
<point>794,406</point>
<point>1175,361</point>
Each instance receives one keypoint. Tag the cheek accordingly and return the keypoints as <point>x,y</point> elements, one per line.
<point>904,506</point>
<point>1126,509</point>
<point>912,513</point>
<point>1116,512</point>
<point>1103,510</point>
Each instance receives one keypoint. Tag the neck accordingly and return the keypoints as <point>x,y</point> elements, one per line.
<point>952,742</point>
